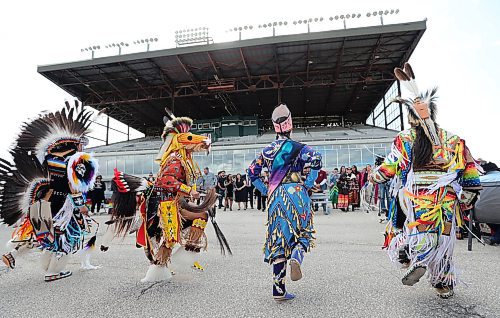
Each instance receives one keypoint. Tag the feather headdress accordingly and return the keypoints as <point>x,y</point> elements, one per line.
<point>58,131</point>
<point>22,183</point>
<point>425,101</point>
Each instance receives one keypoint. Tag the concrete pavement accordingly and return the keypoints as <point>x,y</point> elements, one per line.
<point>346,275</point>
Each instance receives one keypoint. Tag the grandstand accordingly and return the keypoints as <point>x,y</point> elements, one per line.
<point>355,145</point>
<point>337,84</point>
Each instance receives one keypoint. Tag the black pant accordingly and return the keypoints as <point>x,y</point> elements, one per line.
<point>250,196</point>
<point>261,200</point>
<point>97,202</point>
<point>264,200</point>
<point>221,197</point>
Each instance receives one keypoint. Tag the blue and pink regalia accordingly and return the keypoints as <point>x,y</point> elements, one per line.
<point>290,230</point>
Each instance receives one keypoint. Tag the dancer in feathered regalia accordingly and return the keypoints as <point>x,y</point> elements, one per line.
<point>434,178</point>
<point>45,188</point>
<point>167,219</point>
<point>290,218</point>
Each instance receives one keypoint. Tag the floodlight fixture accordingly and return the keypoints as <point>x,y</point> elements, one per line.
<point>91,48</point>
<point>191,36</point>
<point>381,14</point>
<point>149,41</point>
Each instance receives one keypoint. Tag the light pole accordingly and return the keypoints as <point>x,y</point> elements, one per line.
<point>308,22</point>
<point>382,13</point>
<point>345,17</point>
<point>241,29</point>
<point>146,41</point>
<point>118,45</point>
<point>92,49</point>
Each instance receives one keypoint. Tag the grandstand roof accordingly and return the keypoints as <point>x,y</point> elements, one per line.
<point>320,75</point>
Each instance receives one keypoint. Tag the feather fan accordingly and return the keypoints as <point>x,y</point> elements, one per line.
<point>22,183</point>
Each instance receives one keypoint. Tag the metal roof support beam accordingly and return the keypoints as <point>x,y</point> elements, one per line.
<point>292,62</point>
<point>188,73</point>
<point>277,67</point>
<point>308,59</point>
<point>164,77</point>
<point>371,61</point>
<point>338,64</point>
<point>71,72</point>
<point>385,112</point>
<point>212,62</point>
<point>131,71</point>
<point>246,66</point>
<point>103,74</point>
<point>400,108</point>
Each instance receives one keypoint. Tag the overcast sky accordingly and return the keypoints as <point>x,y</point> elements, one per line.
<point>459,51</point>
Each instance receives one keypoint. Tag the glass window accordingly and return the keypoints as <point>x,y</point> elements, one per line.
<point>239,164</point>
<point>355,157</point>
<point>343,157</point>
<point>129,164</point>
<point>103,169</point>
<point>111,163</point>
<point>120,163</point>
<point>367,155</point>
<point>140,164</point>
<point>329,159</point>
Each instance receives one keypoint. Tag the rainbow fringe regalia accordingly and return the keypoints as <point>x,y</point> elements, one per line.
<point>426,203</point>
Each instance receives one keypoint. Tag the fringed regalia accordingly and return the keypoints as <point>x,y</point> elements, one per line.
<point>290,218</point>
<point>45,187</point>
<point>290,230</point>
<point>167,218</point>
<point>343,186</point>
<point>427,199</point>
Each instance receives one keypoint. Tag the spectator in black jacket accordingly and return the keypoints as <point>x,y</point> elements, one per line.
<point>96,195</point>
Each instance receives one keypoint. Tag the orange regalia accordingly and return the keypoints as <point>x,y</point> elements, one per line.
<point>166,216</point>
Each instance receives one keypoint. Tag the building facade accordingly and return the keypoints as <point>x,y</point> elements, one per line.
<point>339,147</point>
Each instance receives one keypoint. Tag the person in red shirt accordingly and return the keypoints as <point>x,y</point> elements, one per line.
<point>321,185</point>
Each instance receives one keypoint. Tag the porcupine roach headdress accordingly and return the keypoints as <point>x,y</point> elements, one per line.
<point>421,107</point>
<point>282,119</point>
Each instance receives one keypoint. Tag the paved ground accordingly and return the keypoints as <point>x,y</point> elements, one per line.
<point>347,275</point>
